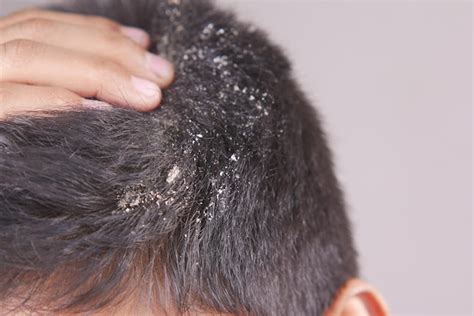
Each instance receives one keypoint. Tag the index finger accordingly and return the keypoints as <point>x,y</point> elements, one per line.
<point>90,21</point>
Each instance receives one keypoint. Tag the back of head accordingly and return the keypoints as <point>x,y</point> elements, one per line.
<point>223,199</point>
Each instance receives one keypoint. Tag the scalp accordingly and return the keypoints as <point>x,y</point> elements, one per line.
<point>227,189</point>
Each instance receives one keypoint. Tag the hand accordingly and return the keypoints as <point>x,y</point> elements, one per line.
<point>49,60</point>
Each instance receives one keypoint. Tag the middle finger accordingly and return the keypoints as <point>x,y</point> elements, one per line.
<point>109,45</point>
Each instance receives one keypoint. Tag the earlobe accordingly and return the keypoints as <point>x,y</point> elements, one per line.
<point>358,298</point>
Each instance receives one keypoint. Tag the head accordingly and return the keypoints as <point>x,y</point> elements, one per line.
<point>223,200</point>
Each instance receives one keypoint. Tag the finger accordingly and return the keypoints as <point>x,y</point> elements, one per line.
<point>19,98</point>
<point>110,45</point>
<point>89,21</point>
<point>29,62</point>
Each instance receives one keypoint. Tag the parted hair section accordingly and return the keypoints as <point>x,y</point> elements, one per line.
<point>224,199</point>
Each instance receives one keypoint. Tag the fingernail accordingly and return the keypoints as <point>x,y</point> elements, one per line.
<point>139,36</point>
<point>145,87</point>
<point>160,66</point>
<point>95,104</point>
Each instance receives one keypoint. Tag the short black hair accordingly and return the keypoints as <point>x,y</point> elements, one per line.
<point>223,199</point>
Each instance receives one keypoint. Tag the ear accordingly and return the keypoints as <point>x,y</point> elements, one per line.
<point>357,298</point>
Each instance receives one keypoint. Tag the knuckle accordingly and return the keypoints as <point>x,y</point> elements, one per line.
<point>18,51</point>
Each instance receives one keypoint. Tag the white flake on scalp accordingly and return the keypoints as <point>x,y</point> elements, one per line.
<point>173,174</point>
<point>136,201</point>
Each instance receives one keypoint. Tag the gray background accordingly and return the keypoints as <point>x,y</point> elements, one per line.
<point>393,81</point>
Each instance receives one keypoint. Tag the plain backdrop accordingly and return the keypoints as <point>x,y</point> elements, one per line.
<point>393,81</point>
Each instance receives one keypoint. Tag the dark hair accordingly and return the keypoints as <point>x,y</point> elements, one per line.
<point>224,199</point>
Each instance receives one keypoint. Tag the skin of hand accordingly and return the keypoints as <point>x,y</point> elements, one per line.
<point>51,60</point>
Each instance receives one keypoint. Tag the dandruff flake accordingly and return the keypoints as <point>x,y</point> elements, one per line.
<point>173,174</point>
